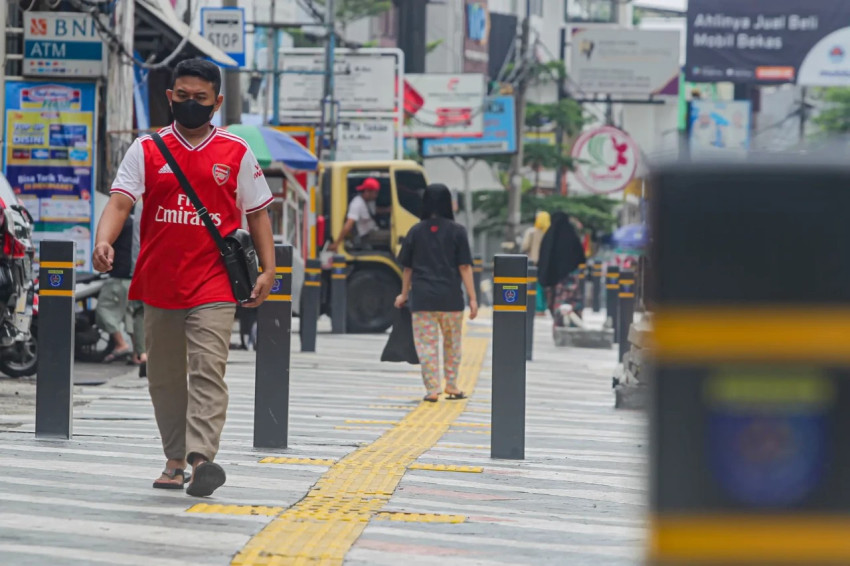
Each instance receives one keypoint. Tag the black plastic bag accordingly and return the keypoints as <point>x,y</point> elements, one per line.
<point>400,346</point>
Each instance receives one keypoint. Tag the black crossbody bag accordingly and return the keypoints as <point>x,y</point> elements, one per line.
<point>237,248</point>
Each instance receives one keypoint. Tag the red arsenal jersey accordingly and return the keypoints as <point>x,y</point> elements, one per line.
<point>179,265</point>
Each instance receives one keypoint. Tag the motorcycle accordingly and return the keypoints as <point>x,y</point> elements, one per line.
<point>18,357</point>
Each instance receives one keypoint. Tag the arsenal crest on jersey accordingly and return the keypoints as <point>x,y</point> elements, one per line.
<point>221,173</point>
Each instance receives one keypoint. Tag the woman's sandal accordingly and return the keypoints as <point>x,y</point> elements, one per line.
<point>172,473</point>
<point>430,399</point>
<point>456,396</point>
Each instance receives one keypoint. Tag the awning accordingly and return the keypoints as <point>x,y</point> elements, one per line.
<point>159,15</point>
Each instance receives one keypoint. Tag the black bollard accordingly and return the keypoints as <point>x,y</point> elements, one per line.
<point>596,285</point>
<point>612,288</point>
<point>531,312</point>
<point>274,339</point>
<point>54,412</point>
<point>310,295</point>
<point>626,309</point>
<point>510,278</point>
<point>339,299</point>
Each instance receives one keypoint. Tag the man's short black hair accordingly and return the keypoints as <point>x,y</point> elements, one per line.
<point>198,68</point>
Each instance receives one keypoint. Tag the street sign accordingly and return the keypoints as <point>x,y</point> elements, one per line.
<point>225,28</point>
<point>62,44</point>
<point>367,140</point>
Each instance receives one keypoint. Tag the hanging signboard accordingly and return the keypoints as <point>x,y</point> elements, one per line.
<point>606,159</point>
<point>499,134</point>
<point>452,106</point>
<point>372,140</point>
<point>62,44</point>
<point>625,61</point>
<point>364,80</point>
<point>719,127</point>
<point>781,41</point>
<point>225,28</point>
<point>49,159</point>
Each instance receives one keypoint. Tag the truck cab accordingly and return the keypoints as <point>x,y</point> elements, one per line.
<point>374,275</point>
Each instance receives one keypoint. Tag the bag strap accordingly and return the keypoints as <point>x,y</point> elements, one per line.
<point>201,210</point>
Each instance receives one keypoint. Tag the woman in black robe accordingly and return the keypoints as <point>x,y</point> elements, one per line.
<point>560,255</point>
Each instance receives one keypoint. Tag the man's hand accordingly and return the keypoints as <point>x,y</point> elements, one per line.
<point>334,246</point>
<point>473,309</point>
<point>400,301</point>
<point>261,290</point>
<point>102,257</point>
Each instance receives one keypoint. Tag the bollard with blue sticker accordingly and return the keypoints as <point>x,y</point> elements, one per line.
<point>750,363</point>
<point>274,339</point>
<point>55,378</point>
<point>310,298</point>
<point>510,282</point>
<point>339,299</point>
<point>531,312</point>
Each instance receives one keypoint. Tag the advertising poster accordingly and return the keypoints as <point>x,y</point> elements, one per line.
<point>607,160</point>
<point>499,134</point>
<point>781,41</point>
<point>625,62</point>
<point>452,106</point>
<point>719,128</point>
<point>49,159</point>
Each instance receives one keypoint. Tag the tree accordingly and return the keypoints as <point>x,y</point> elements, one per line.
<point>348,11</point>
<point>835,117</point>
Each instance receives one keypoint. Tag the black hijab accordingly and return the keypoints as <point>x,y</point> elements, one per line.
<point>561,251</point>
<point>437,203</point>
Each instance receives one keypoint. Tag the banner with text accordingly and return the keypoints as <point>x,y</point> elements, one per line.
<point>781,41</point>
<point>49,159</point>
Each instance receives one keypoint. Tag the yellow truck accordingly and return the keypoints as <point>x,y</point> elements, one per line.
<point>374,275</point>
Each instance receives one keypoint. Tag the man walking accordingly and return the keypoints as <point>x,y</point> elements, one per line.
<point>180,275</point>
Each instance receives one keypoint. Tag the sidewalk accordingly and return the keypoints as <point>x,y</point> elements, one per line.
<point>345,487</point>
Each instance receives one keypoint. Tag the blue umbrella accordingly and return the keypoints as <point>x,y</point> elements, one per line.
<point>270,145</point>
<point>633,236</point>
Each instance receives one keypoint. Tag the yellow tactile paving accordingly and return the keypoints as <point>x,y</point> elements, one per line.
<point>320,529</point>
<point>392,407</point>
<point>446,468</point>
<point>419,517</point>
<point>308,461</point>
<point>235,509</point>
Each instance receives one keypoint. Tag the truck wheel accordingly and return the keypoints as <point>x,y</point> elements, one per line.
<point>371,298</point>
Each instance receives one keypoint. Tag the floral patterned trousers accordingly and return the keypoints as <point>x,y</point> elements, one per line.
<point>427,327</point>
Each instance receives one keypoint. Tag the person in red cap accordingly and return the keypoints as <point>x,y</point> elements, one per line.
<point>361,216</point>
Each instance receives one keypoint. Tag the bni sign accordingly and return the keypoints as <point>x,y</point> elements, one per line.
<point>62,44</point>
<point>225,28</point>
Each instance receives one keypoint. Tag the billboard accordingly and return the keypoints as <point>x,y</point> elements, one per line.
<point>452,106</point>
<point>476,36</point>
<point>499,134</point>
<point>781,41</point>
<point>49,159</point>
<point>606,159</point>
<point>62,44</point>
<point>625,62</point>
<point>719,128</point>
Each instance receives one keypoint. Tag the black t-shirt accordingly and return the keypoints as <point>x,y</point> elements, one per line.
<point>434,249</point>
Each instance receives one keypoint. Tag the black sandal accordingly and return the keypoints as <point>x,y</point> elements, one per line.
<point>207,477</point>
<point>172,473</point>
<point>434,400</point>
<point>456,396</point>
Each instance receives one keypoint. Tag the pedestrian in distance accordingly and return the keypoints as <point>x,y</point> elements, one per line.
<point>531,242</point>
<point>436,260</point>
<point>180,275</point>
<point>561,252</point>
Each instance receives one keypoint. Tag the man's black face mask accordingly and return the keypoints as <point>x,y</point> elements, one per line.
<point>191,114</point>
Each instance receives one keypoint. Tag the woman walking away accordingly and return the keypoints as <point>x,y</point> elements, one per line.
<point>436,259</point>
<point>560,255</point>
<point>531,247</point>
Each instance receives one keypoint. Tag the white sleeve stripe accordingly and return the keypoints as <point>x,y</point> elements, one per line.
<point>127,194</point>
<point>262,206</point>
<point>232,137</point>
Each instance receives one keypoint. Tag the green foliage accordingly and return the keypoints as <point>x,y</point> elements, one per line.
<point>542,156</point>
<point>595,212</point>
<point>835,118</point>
<point>348,11</point>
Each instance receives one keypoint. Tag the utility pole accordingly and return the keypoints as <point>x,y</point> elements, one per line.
<point>4,9</point>
<point>119,97</point>
<point>560,182</point>
<point>514,178</point>
<point>232,87</point>
<point>329,109</point>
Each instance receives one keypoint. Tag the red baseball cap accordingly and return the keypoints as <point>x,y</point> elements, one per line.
<point>370,184</point>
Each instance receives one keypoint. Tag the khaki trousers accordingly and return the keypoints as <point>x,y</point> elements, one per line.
<point>193,342</point>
